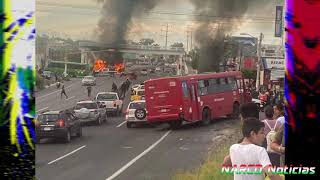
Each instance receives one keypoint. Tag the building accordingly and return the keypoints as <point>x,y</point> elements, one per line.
<point>273,66</point>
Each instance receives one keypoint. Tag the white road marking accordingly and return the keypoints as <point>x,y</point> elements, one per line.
<point>121,124</point>
<point>70,98</point>
<point>67,154</point>
<point>138,157</point>
<point>42,109</point>
<point>52,93</point>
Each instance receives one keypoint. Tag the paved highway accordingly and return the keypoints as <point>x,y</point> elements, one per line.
<point>112,151</point>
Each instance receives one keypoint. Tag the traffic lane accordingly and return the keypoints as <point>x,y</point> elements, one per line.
<point>107,150</point>
<point>184,149</point>
<point>112,121</point>
<point>46,151</point>
<point>76,92</point>
<point>54,88</point>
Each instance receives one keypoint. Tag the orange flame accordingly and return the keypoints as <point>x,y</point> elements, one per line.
<point>99,65</point>
<point>119,67</point>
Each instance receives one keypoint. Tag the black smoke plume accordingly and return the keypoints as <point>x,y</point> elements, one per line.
<point>217,19</point>
<point>116,18</point>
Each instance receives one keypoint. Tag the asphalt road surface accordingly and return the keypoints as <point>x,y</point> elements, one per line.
<point>111,151</point>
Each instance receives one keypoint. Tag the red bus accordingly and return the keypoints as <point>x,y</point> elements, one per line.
<point>192,98</point>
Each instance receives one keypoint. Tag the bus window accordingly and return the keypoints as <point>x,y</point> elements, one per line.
<point>213,86</point>
<point>203,87</point>
<point>232,83</point>
<point>223,85</point>
<point>185,89</point>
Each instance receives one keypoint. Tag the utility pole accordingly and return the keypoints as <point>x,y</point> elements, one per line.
<point>187,41</point>
<point>167,35</point>
<point>191,41</point>
<point>259,63</point>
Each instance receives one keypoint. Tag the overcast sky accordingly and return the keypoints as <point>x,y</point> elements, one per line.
<point>77,19</point>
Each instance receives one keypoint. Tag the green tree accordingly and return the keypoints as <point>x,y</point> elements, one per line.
<point>249,74</point>
<point>146,41</point>
<point>179,45</point>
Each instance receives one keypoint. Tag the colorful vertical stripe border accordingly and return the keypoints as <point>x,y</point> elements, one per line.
<point>17,89</point>
<point>302,85</point>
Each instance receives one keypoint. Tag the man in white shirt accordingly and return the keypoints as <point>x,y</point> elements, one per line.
<point>249,151</point>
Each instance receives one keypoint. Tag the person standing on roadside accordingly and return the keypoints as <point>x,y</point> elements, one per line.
<point>278,145</point>
<point>279,112</point>
<point>63,91</point>
<point>270,129</point>
<point>89,88</point>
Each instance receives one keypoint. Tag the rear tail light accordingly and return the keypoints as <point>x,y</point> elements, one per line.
<point>37,123</point>
<point>95,111</point>
<point>114,104</point>
<point>61,123</point>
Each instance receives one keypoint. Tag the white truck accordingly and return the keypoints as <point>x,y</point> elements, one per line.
<point>111,101</point>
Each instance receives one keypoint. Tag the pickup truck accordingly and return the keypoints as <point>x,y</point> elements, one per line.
<point>111,101</point>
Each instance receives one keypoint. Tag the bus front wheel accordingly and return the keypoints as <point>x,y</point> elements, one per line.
<point>206,118</point>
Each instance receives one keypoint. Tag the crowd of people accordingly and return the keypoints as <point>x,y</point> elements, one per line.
<point>262,142</point>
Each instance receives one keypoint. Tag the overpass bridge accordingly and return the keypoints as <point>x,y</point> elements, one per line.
<point>86,49</point>
<point>137,49</point>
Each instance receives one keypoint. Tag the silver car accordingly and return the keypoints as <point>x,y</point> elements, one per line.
<point>91,111</point>
<point>89,81</point>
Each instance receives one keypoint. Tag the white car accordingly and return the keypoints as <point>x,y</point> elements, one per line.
<point>158,69</point>
<point>90,111</point>
<point>136,113</point>
<point>89,81</point>
<point>111,101</point>
<point>136,87</point>
<point>144,72</point>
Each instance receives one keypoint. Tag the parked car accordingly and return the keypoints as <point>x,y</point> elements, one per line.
<point>111,101</point>
<point>47,74</point>
<point>91,111</point>
<point>89,81</point>
<point>136,113</point>
<point>57,124</point>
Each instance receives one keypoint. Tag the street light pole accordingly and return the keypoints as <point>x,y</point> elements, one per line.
<point>259,62</point>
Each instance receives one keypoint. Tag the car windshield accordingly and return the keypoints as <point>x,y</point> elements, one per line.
<point>88,77</point>
<point>107,97</point>
<point>137,105</point>
<point>86,105</point>
<point>48,117</point>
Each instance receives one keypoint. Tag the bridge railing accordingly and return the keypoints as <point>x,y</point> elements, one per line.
<point>131,46</point>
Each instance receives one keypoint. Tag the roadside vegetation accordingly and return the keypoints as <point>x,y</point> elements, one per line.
<point>210,169</point>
